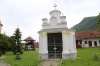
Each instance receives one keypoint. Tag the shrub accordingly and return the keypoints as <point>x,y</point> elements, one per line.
<point>96,57</point>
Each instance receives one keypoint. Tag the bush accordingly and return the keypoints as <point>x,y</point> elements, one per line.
<point>17,49</point>
<point>3,51</point>
<point>17,56</point>
<point>21,52</point>
<point>96,57</point>
<point>0,54</point>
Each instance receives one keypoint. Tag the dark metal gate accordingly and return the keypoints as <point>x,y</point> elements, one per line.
<point>55,45</point>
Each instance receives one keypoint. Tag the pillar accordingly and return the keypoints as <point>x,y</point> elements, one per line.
<point>65,53</point>
<point>98,43</point>
<point>83,43</point>
<point>74,53</point>
<point>40,46</point>
<point>43,46</point>
<point>92,43</point>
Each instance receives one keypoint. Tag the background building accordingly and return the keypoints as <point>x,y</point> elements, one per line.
<point>89,38</point>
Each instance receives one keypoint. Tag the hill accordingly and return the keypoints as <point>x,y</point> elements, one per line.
<point>88,23</point>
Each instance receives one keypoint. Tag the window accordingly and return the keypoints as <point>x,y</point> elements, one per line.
<point>80,42</point>
<point>52,15</point>
<point>58,16</point>
<point>85,42</point>
<point>95,43</point>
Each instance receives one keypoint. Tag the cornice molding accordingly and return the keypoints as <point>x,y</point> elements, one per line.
<point>55,30</point>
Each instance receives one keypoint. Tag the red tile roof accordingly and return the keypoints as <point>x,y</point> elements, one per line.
<point>29,38</point>
<point>1,24</point>
<point>87,34</point>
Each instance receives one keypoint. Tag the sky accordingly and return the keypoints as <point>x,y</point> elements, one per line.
<point>27,14</point>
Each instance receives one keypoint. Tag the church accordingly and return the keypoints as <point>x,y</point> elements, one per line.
<point>1,25</point>
<point>56,41</point>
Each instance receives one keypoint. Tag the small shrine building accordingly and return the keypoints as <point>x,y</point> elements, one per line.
<point>56,41</point>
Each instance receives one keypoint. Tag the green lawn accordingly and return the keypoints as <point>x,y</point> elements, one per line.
<point>28,58</point>
<point>85,58</point>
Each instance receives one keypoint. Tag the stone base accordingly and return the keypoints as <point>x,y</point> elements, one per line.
<point>73,55</point>
<point>67,56</point>
<point>43,55</point>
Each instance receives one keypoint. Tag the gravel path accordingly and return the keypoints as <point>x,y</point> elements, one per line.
<point>3,63</point>
<point>51,62</point>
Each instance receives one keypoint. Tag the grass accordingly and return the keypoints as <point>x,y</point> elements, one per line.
<point>28,58</point>
<point>85,58</point>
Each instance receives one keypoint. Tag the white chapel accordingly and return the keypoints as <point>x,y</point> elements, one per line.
<point>56,41</point>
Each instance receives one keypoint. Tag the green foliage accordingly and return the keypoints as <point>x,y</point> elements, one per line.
<point>98,22</point>
<point>12,42</point>
<point>3,43</point>
<point>9,43</point>
<point>0,54</point>
<point>96,58</point>
<point>17,56</point>
<point>88,23</point>
<point>29,58</point>
<point>17,37</point>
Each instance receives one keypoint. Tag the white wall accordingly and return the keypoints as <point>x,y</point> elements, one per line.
<point>94,39</point>
<point>57,26</point>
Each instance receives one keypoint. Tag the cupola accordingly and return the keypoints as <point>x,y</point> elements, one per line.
<point>55,13</point>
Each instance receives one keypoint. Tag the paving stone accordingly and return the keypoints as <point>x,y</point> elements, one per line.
<point>3,64</point>
<point>50,62</point>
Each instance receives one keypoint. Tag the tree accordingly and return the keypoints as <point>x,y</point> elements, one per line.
<point>17,36</point>
<point>98,23</point>
<point>11,43</point>
<point>3,43</point>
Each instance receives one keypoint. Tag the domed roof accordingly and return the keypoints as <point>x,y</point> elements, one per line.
<point>1,24</point>
<point>55,11</point>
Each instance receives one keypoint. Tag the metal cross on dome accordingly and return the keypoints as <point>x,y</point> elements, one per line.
<point>55,6</point>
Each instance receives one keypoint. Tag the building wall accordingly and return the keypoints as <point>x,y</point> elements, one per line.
<point>89,43</point>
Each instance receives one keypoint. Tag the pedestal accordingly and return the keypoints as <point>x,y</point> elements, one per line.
<point>73,54</point>
<point>43,55</point>
<point>66,55</point>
